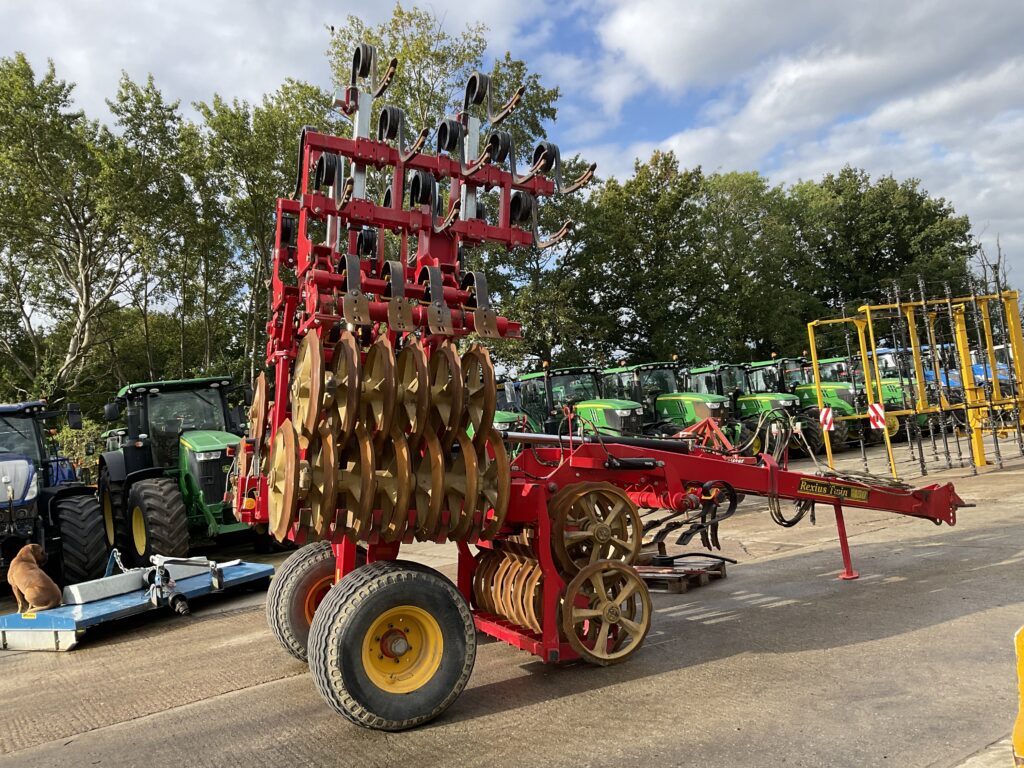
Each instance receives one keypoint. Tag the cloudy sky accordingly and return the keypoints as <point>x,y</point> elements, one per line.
<point>931,89</point>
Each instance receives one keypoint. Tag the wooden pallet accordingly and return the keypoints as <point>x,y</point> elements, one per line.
<point>681,577</point>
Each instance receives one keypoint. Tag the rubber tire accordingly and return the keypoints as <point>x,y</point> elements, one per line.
<point>165,518</point>
<point>342,621</point>
<point>840,437</point>
<point>83,538</point>
<point>114,491</point>
<point>286,598</point>
<point>811,428</point>
<point>743,435</point>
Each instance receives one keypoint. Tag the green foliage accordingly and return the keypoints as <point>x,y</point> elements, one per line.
<point>144,250</point>
<point>74,443</point>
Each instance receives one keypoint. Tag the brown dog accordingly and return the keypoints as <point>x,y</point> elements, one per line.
<point>29,581</point>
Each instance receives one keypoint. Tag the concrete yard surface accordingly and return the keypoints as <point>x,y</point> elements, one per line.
<point>780,664</point>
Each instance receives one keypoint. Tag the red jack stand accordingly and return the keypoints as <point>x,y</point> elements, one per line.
<point>848,573</point>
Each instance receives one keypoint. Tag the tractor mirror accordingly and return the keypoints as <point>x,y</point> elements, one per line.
<point>90,448</point>
<point>111,412</point>
<point>74,416</point>
<point>247,396</point>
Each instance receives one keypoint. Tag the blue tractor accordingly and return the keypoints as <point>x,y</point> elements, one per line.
<point>42,501</point>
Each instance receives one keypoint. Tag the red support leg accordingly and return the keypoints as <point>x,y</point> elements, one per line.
<point>344,557</point>
<point>848,573</point>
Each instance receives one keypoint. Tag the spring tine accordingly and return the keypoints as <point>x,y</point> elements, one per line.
<point>554,239</point>
<point>385,81</point>
<point>582,181</point>
<point>506,110</point>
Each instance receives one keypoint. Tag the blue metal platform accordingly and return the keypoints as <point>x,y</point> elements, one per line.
<point>60,629</point>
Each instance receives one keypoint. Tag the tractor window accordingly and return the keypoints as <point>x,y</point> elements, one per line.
<point>174,412</point>
<point>661,381</point>
<point>574,387</point>
<point>765,379</point>
<point>704,383</point>
<point>794,372</point>
<point>618,385</point>
<point>534,400</point>
<point>732,377</point>
<point>18,435</point>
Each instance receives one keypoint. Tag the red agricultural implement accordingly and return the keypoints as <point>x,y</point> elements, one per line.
<point>379,430</point>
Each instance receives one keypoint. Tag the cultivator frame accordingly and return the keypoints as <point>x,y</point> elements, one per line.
<point>557,526</point>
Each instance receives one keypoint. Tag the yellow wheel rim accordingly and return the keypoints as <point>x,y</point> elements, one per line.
<point>139,531</point>
<point>402,649</point>
<point>756,446</point>
<point>108,518</point>
<point>892,425</point>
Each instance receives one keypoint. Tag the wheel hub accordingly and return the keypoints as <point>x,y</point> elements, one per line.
<point>602,533</point>
<point>395,644</point>
<point>611,614</point>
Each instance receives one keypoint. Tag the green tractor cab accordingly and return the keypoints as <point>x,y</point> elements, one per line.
<point>546,393</point>
<point>795,375</point>
<point>755,399</point>
<point>163,477</point>
<point>509,415</point>
<point>668,406</point>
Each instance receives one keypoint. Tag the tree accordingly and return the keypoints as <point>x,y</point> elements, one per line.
<point>63,255</point>
<point>252,150</point>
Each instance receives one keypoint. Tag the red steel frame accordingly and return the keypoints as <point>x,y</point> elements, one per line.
<point>311,305</point>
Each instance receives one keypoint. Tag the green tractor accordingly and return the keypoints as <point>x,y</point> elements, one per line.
<point>846,378</point>
<point>546,393</point>
<point>757,406</point>
<point>795,375</point>
<point>668,406</point>
<point>509,415</point>
<point>163,477</point>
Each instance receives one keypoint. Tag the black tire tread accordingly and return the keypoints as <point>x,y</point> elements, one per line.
<point>165,513</point>
<point>340,603</point>
<point>83,537</point>
<point>116,493</point>
<point>280,594</point>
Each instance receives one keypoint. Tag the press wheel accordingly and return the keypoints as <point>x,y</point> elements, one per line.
<point>357,483</point>
<point>592,522</point>
<point>461,488</point>
<point>446,391</point>
<point>322,498</point>
<point>495,485</point>
<point>480,395</point>
<point>430,491</point>
<point>378,391</point>
<point>347,374</point>
<point>534,604</point>
<point>413,396</point>
<point>283,480</point>
<point>606,612</point>
<point>394,486</point>
<point>258,411</point>
<point>307,387</point>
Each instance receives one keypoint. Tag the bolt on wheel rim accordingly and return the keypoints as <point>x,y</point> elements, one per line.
<point>402,649</point>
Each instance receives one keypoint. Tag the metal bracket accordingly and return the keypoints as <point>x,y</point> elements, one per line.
<point>399,307</point>
<point>485,319</point>
<point>439,315</point>
<point>355,307</point>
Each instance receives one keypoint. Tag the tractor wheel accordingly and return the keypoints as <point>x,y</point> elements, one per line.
<point>742,436</point>
<point>298,587</point>
<point>159,519</point>
<point>840,437</point>
<point>392,645</point>
<point>112,507</point>
<point>82,538</point>
<point>811,429</point>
